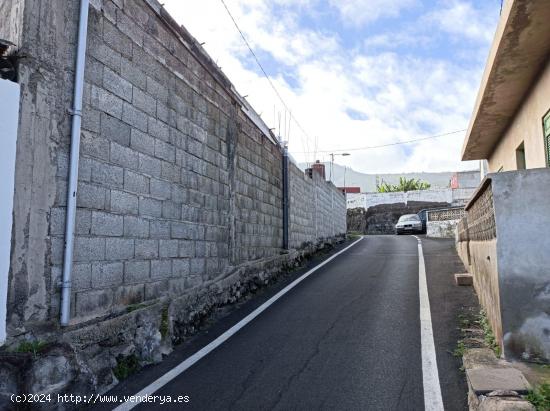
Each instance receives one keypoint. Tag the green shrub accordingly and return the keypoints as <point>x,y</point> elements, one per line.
<point>459,350</point>
<point>540,397</point>
<point>33,347</point>
<point>490,339</point>
<point>126,366</point>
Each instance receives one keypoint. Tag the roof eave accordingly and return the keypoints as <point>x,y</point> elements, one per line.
<point>520,50</point>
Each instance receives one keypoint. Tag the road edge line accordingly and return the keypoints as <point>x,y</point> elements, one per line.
<point>433,400</point>
<point>207,349</point>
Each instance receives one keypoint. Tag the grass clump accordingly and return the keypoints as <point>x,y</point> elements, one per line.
<point>464,320</point>
<point>34,347</point>
<point>134,307</point>
<point>164,326</point>
<point>540,397</point>
<point>490,339</point>
<point>460,349</point>
<point>126,366</point>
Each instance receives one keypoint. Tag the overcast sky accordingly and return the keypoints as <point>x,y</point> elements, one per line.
<point>356,73</point>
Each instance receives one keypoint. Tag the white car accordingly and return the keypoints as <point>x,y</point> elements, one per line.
<point>408,223</point>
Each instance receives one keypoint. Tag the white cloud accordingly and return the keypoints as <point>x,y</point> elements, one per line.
<point>461,19</point>
<point>392,96</point>
<point>358,12</point>
<point>397,39</point>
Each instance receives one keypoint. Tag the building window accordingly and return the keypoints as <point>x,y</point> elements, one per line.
<point>520,157</point>
<point>546,128</point>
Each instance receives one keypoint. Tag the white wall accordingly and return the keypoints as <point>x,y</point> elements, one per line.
<point>9,117</point>
<point>441,229</point>
<point>457,197</point>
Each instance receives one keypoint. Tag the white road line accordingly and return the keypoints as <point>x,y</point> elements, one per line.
<point>430,376</point>
<point>177,370</point>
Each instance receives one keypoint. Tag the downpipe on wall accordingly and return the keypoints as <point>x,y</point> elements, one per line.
<point>285,197</point>
<point>73,164</point>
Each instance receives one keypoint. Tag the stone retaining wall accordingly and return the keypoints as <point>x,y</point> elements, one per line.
<point>381,219</point>
<point>180,182</point>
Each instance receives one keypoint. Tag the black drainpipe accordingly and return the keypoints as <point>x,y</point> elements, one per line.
<point>285,198</point>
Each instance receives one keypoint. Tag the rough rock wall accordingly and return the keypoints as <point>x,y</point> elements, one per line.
<point>381,219</point>
<point>356,220</point>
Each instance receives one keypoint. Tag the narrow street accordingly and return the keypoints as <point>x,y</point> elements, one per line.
<point>211,205</point>
<point>347,337</point>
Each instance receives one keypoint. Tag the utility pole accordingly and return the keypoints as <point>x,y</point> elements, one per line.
<point>345,169</point>
<point>332,155</point>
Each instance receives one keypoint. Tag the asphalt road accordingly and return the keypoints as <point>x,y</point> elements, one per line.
<point>346,338</point>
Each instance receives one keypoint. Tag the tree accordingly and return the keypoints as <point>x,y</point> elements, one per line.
<point>404,185</point>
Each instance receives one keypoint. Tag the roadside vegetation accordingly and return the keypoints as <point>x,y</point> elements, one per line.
<point>475,332</point>
<point>353,235</point>
<point>33,347</point>
<point>540,397</point>
<point>404,185</point>
<point>490,339</point>
<point>126,366</point>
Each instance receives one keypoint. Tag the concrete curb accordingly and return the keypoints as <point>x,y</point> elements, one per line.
<point>493,384</point>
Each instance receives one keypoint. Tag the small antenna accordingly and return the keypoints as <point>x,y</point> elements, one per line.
<point>285,127</point>
<point>289,122</point>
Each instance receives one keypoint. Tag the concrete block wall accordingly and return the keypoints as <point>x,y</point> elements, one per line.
<point>327,199</point>
<point>258,195</point>
<point>152,202</point>
<point>511,273</point>
<point>317,208</point>
<point>302,228</point>
<point>178,187</point>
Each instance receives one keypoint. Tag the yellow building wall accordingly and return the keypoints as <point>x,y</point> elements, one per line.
<point>527,128</point>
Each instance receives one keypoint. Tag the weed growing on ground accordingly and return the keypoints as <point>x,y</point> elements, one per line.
<point>464,320</point>
<point>126,366</point>
<point>490,339</point>
<point>476,332</point>
<point>459,350</point>
<point>540,397</point>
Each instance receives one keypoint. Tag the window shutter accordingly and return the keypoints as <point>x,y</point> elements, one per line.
<point>546,123</point>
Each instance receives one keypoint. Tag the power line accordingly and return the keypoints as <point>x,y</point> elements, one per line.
<point>397,143</point>
<point>263,71</point>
